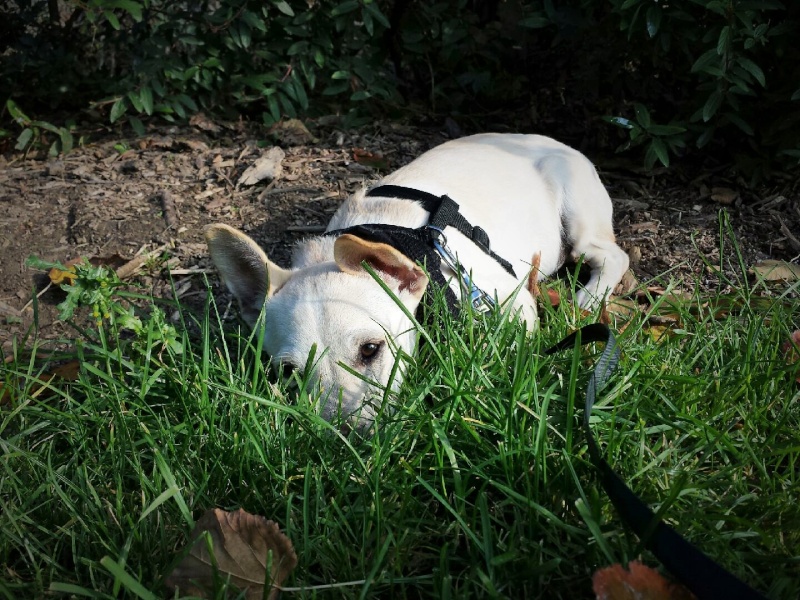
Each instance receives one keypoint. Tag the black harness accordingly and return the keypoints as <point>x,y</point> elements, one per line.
<point>444,213</point>
<point>425,245</point>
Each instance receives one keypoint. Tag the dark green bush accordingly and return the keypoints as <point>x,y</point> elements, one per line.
<point>678,76</point>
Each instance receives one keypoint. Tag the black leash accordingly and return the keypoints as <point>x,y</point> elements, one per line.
<point>700,574</point>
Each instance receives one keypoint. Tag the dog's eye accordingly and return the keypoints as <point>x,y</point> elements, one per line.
<point>369,351</point>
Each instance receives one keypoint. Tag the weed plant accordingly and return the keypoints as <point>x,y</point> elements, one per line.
<point>477,485</point>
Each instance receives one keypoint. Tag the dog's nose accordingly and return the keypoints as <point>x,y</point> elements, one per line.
<point>287,369</point>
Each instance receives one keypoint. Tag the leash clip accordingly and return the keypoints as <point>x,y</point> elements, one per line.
<point>481,301</point>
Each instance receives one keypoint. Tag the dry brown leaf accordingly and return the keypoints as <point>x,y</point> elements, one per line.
<point>724,195</point>
<point>623,308</point>
<point>370,159</point>
<point>533,275</point>
<point>292,132</point>
<point>638,582</point>
<point>67,371</point>
<point>776,270</point>
<point>243,547</point>
<point>132,266</point>
<point>201,121</point>
<point>60,276</point>
<point>627,284</point>
<point>267,166</point>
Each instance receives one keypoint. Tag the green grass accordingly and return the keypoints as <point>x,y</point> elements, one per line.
<point>480,485</point>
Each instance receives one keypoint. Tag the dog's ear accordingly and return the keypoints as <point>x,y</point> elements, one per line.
<point>349,251</point>
<point>245,269</point>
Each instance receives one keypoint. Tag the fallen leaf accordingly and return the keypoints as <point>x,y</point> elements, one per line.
<point>623,308</point>
<point>638,582</point>
<point>201,121</point>
<point>776,270</point>
<point>370,159</point>
<point>244,546</point>
<point>533,275</point>
<point>724,195</point>
<point>292,132</point>
<point>266,167</point>
<point>67,371</point>
<point>60,276</point>
<point>627,284</point>
<point>132,266</point>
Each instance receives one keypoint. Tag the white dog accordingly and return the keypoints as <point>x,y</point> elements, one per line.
<point>538,200</point>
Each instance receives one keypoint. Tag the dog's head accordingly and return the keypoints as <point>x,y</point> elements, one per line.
<point>334,306</point>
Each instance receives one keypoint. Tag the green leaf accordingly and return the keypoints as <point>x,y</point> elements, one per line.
<point>253,20</point>
<point>707,59</point>
<point>274,109</point>
<point>535,22</point>
<point>284,7</point>
<point>665,130</point>
<point>653,20</point>
<point>336,88</point>
<point>134,9</point>
<point>146,98</point>
<point>187,102</point>
<point>118,109</point>
<point>66,140</point>
<point>650,157</point>
<point>136,101</point>
<point>374,10</point>
<point>24,139</point>
<point>740,123</point>
<point>706,137</point>
<point>712,105</point>
<point>43,265</point>
<point>47,126</point>
<point>340,75</point>
<point>344,8</point>
<point>20,116</point>
<point>660,149</point>
<point>642,115</point>
<point>717,7</point>
<point>752,68</point>
<point>724,41</point>
<point>299,91</point>
<point>112,19</point>
<point>369,26</point>
<point>137,125</point>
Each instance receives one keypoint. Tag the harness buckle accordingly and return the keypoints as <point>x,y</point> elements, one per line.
<point>481,301</point>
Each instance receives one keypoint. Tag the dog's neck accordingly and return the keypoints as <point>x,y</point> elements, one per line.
<point>313,251</point>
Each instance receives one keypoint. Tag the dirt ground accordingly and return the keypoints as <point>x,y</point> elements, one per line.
<point>150,198</point>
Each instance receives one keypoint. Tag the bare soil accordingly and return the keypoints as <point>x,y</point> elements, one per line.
<point>152,200</point>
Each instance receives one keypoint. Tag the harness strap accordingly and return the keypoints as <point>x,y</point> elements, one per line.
<point>415,245</point>
<point>444,213</point>
<point>703,576</point>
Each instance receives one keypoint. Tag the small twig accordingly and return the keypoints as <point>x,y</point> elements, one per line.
<point>286,190</point>
<point>793,241</point>
<point>39,295</point>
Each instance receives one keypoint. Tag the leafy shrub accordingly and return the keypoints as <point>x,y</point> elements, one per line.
<point>678,76</point>
<point>732,69</point>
